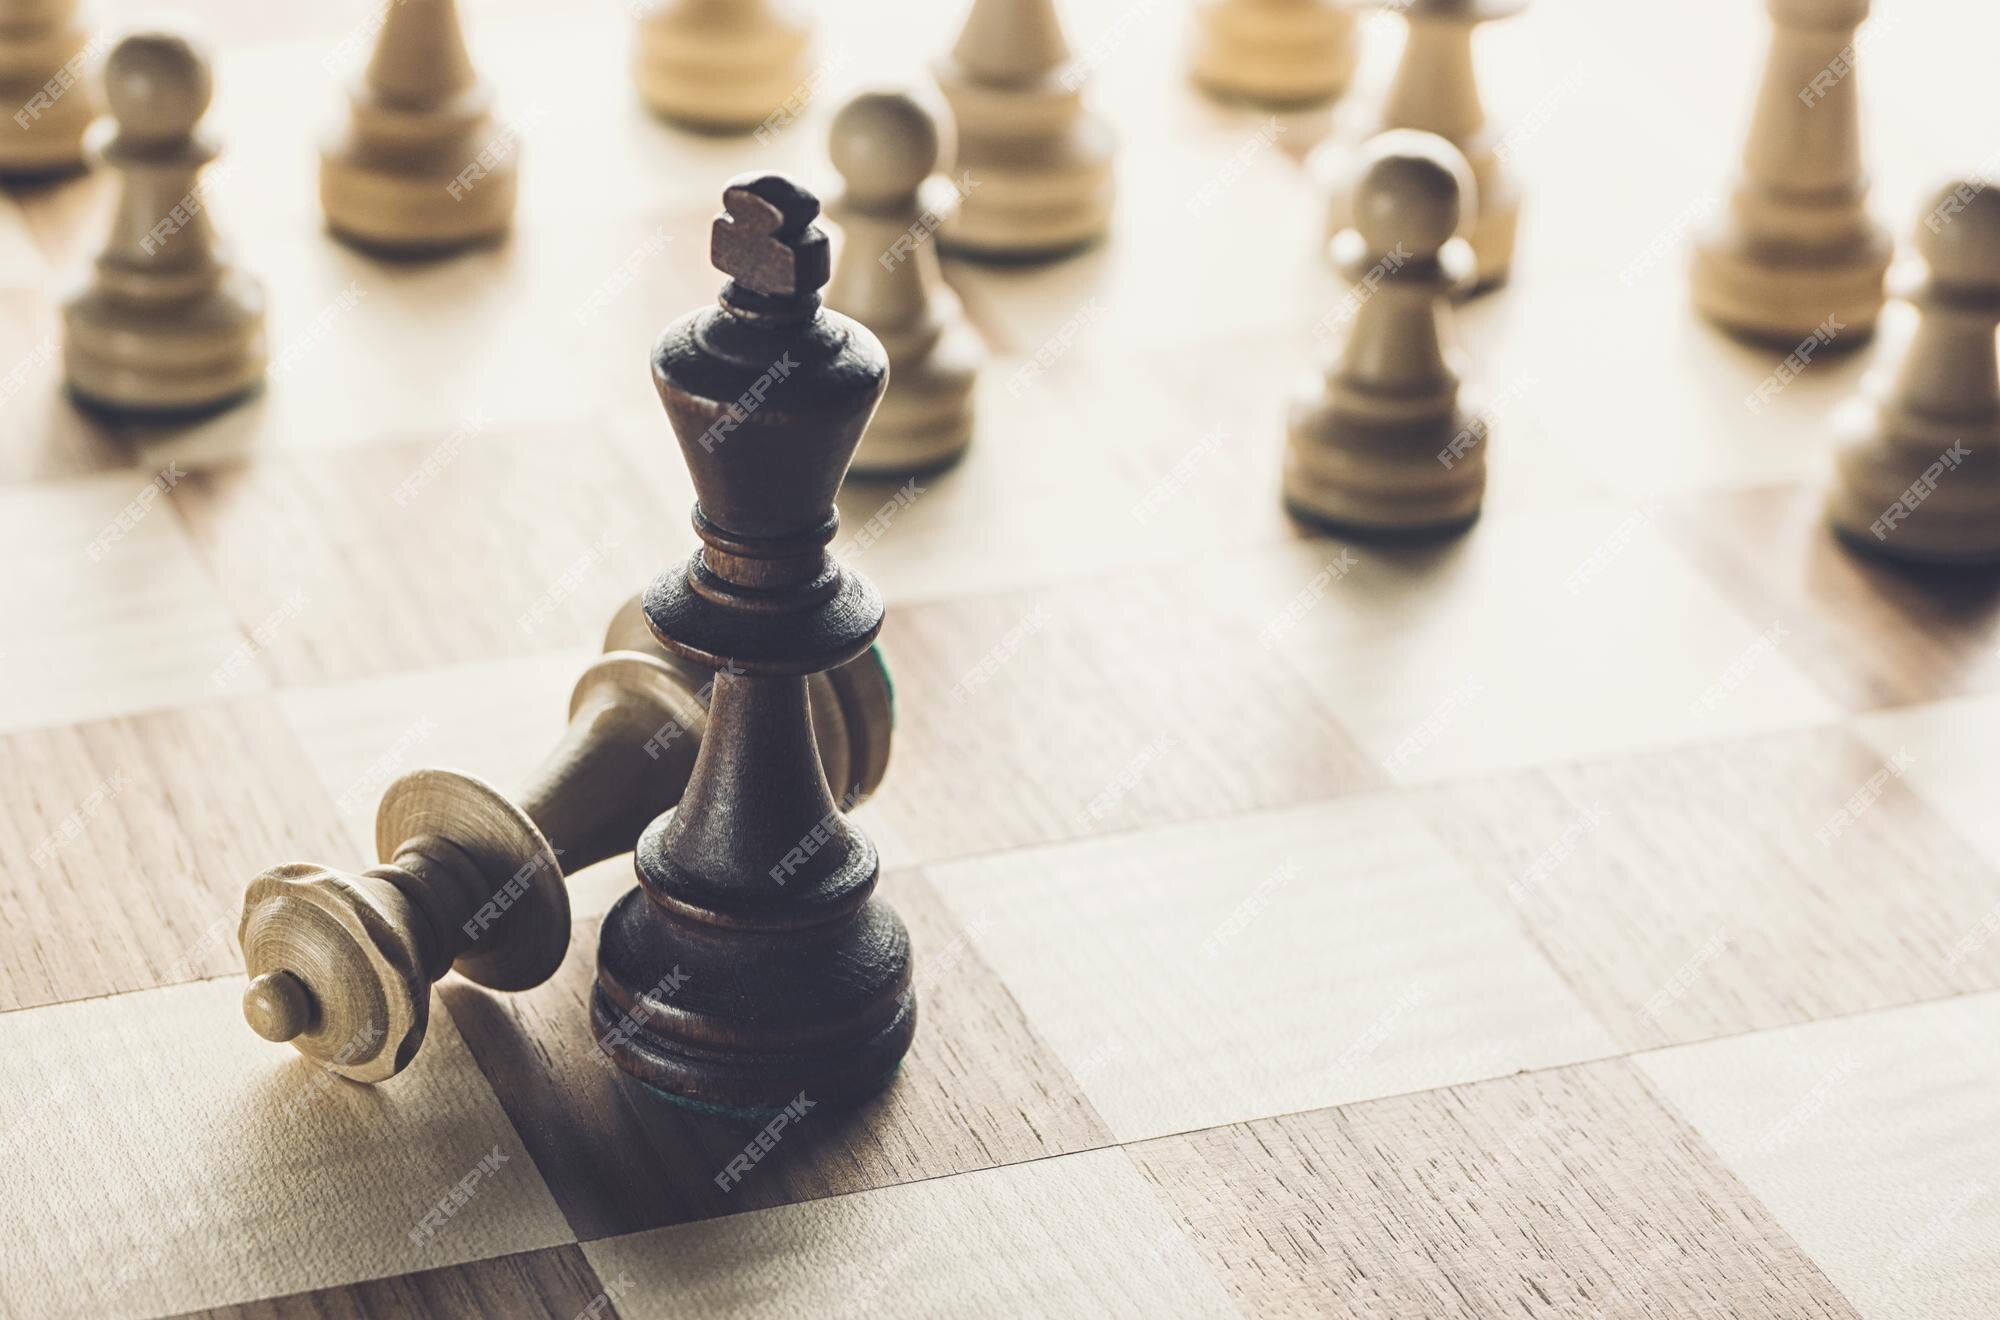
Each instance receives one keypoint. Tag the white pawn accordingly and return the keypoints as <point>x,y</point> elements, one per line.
<point>885,145</point>
<point>1037,160</point>
<point>45,87</point>
<point>1918,468</point>
<point>1796,249</point>
<point>1279,54</point>
<point>1380,444</point>
<point>1436,90</point>
<point>166,323</point>
<point>725,66</point>
<point>420,166</point>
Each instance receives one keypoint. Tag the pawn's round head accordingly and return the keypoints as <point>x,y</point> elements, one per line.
<point>1959,236</point>
<point>158,86</point>
<point>885,144</point>
<point>1411,190</point>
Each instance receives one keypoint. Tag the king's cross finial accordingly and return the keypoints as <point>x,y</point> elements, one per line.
<point>765,239</point>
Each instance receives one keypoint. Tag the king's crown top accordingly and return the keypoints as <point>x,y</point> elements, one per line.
<point>765,239</point>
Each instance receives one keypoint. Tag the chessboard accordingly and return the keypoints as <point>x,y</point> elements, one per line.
<point>1594,915</point>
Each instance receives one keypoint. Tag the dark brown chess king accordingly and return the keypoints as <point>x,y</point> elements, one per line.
<point>754,963</point>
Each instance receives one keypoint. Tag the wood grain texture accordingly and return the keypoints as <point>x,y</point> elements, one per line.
<point>979,1088</point>
<point>125,618</point>
<point>1126,475</point>
<point>134,837</point>
<point>1078,1235</point>
<point>525,546</point>
<point>556,1283</point>
<point>41,435</point>
<point>1871,1140</point>
<point>1285,961</point>
<point>1873,634</point>
<point>1522,646</point>
<point>1677,913</point>
<point>1574,1192</point>
<point>1119,739</point>
<point>234,1170</point>
<point>1942,748</point>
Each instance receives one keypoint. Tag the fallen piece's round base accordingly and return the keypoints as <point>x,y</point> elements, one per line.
<point>335,969</point>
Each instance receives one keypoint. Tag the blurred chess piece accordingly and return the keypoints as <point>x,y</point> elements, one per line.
<point>726,66</point>
<point>1381,444</point>
<point>1276,54</point>
<point>166,325</point>
<point>1436,90</point>
<point>47,86</point>
<point>885,146</point>
<point>420,166</point>
<point>341,963</point>
<point>1796,253</point>
<point>1036,161</point>
<point>1917,474</point>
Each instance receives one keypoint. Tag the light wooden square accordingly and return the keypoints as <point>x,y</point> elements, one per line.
<point>1104,706</point>
<point>1271,963</point>
<point>447,550</point>
<point>234,1168</point>
<point>123,616</point>
<point>1872,1140</point>
<point>1945,753</point>
<point>1530,640</point>
<point>1030,1240</point>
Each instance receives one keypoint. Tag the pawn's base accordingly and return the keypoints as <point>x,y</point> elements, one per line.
<point>1926,492</point>
<point>176,361</point>
<point>416,215</point>
<point>925,421</point>
<point>1273,58</point>
<point>1375,532</point>
<point>1779,301</point>
<point>1029,200</point>
<point>1024,220</point>
<point>49,143</point>
<point>723,81</point>
<point>1381,480</point>
<point>1965,548</point>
